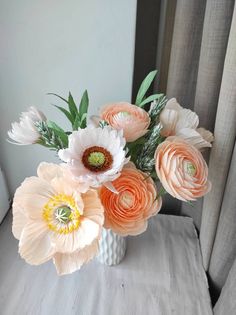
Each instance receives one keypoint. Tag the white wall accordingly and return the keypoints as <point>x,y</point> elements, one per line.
<point>57,46</point>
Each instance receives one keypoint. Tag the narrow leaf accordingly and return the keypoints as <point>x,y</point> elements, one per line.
<point>83,107</point>
<point>150,99</point>
<point>145,86</point>
<point>76,123</point>
<point>83,122</point>
<point>63,99</point>
<point>65,112</point>
<point>58,132</point>
<point>72,106</point>
<point>53,125</point>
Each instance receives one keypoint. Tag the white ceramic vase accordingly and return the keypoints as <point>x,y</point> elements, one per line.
<point>112,248</point>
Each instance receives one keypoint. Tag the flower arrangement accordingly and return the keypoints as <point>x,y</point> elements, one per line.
<point>115,168</point>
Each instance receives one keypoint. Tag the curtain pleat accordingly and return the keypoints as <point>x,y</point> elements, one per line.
<point>185,51</point>
<point>216,27</point>
<point>226,305</point>
<point>167,19</point>
<point>201,51</point>
<point>183,67</point>
<point>217,22</point>
<point>224,248</point>
<point>221,154</point>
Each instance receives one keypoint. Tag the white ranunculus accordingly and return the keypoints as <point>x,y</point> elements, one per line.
<point>25,132</point>
<point>182,122</point>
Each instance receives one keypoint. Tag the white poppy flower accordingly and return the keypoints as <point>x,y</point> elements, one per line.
<point>95,155</point>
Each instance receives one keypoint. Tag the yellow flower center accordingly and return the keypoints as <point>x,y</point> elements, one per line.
<point>62,214</point>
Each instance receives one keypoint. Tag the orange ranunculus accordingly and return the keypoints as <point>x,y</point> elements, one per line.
<point>127,212</point>
<point>181,169</point>
<point>132,119</point>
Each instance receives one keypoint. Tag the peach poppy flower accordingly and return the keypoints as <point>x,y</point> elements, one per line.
<point>182,122</point>
<point>181,169</point>
<point>52,219</point>
<point>127,213</point>
<point>132,119</point>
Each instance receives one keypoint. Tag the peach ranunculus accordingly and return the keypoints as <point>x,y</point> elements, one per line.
<point>132,119</point>
<point>127,213</point>
<point>182,122</point>
<point>181,169</point>
<point>52,219</point>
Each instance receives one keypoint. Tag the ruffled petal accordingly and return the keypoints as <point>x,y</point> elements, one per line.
<point>206,134</point>
<point>49,171</point>
<point>168,120</point>
<point>68,263</point>
<point>194,138</point>
<point>32,195</point>
<point>187,119</point>
<point>173,104</point>
<point>93,208</point>
<point>87,232</point>
<point>19,221</point>
<point>35,245</point>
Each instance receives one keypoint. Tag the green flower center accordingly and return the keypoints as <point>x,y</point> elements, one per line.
<point>96,159</point>
<point>125,113</point>
<point>191,168</point>
<point>63,214</point>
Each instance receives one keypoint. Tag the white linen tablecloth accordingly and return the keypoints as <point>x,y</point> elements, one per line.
<point>162,274</point>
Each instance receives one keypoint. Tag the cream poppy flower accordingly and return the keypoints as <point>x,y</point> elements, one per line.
<point>181,169</point>
<point>182,122</point>
<point>95,155</point>
<point>132,119</point>
<point>52,219</point>
<point>127,213</point>
<point>25,131</point>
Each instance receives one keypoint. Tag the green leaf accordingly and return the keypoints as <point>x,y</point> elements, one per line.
<point>83,122</point>
<point>83,107</point>
<point>66,113</point>
<point>58,132</point>
<point>150,99</point>
<point>63,99</point>
<point>72,106</point>
<point>145,86</point>
<point>76,123</point>
<point>53,125</point>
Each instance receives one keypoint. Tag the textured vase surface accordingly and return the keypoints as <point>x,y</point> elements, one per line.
<point>112,248</point>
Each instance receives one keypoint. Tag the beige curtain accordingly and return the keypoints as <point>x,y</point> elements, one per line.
<point>199,69</point>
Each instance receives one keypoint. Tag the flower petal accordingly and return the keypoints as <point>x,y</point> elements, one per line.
<point>48,171</point>
<point>87,232</point>
<point>35,244</point>
<point>19,221</point>
<point>206,134</point>
<point>68,263</point>
<point>168,120</point>
<point>187,119</point>
<point>32,195</point>
<point>194,138</point>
